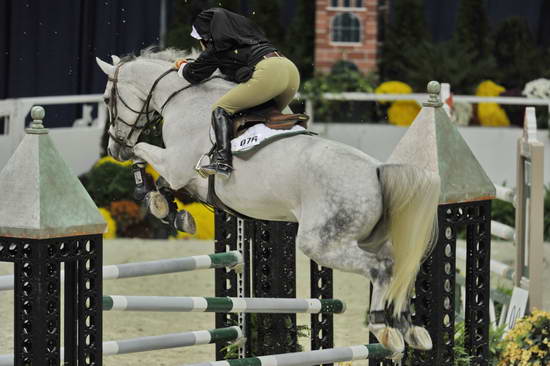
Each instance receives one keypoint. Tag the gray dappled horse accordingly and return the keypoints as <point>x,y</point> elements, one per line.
<point>354,213</point>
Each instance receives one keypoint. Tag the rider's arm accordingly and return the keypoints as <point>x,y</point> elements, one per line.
<point>203,67</point>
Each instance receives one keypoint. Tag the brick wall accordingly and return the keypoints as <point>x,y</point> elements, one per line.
<point>362,54</point>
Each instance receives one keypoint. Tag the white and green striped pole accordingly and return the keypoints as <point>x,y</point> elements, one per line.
<point>166,341</point>
<point>223,304</point>
<point>319,357</point>
<point>163,266</point>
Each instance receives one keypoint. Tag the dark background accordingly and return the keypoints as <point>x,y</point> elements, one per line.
<point>441,16</point>
<point>48,47</point>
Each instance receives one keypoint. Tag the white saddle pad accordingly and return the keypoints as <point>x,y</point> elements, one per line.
<point>259,135</point>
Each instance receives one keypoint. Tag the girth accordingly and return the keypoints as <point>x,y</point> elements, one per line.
<point>213,200</point>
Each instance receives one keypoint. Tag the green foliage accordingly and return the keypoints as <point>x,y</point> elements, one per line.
<point>109,182</point>
<point>462,358</point>
<point>517,57</point>
<point>472,28</point>
<point>461,352</point>
<point>407,29</point>
<point>503,212</point>
<point>342,79</point>
<point>447,62</point>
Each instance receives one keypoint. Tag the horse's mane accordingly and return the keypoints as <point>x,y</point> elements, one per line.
<point>169,54</point>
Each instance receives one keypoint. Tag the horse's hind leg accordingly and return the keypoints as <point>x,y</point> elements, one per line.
<point>346,255</point>
<point>381,316</point>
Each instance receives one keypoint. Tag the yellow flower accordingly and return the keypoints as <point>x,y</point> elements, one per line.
<point>403,112</point>
<point>523,345</point>
<point>204,219</point>
<point>393,87</point>
<point>110,232</point>
<point>110,159</point>
<point>491,114</point>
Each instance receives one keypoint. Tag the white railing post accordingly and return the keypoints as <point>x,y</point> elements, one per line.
<point>530,209</point>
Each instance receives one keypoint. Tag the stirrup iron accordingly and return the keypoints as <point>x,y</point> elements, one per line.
<point>198,167</point>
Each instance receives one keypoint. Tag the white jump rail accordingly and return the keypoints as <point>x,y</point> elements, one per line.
<point>154,343</point>
<point>231,260</point>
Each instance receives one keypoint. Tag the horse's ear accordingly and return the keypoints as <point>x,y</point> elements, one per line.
<point>115,59</point>
<point>105,67</point>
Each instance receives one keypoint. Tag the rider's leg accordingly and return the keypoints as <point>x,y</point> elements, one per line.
<point>284,99</point>
<point>268,81</point>
<point>222,159</point>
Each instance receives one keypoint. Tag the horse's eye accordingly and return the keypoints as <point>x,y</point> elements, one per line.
<point>106,100</point>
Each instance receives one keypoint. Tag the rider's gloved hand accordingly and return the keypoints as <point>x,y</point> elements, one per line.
<point>179,65</point>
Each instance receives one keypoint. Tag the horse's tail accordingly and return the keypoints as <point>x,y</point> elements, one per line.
<point>410,197</point>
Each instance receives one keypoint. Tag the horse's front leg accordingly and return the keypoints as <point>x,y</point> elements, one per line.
<point>155,156</point>
<point>161,203</point>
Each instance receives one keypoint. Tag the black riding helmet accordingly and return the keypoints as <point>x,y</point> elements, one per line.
<point>226,30</point>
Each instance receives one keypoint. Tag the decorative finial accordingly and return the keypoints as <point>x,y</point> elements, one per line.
<point>434,88</point>
<point>37,114</point>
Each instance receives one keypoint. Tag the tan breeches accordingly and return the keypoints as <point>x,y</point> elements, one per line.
<point>274,78</point>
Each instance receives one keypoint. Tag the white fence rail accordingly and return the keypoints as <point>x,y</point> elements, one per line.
<point>420,97</point>
<point>80,144</point>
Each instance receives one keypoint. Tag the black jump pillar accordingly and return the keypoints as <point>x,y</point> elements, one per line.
<point>434,143</point>
<point>47,218</point>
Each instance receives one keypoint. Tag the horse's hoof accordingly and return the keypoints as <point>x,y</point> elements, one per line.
<point>185,222</point>
<point>158,205</point>
<point>418,338</point>
<point>390,338</point>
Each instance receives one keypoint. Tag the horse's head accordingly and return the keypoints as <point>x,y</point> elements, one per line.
<point>130,110</point>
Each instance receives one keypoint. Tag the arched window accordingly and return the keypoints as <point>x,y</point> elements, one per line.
<point>346,27</point>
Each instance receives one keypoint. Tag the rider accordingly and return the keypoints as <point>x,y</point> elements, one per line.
<point>239,48</point>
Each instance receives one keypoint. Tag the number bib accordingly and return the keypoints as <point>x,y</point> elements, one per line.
<point>259,135</point>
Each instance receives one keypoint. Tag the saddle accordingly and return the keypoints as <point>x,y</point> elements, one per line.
<point>268,114</point>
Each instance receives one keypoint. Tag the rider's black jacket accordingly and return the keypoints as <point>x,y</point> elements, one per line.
<point>236,64</point>
<point>234,45</point>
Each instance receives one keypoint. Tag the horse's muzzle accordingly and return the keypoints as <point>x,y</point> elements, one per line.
<point>120,153</point>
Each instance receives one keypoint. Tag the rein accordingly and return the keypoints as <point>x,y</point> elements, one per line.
<point>136,127</point>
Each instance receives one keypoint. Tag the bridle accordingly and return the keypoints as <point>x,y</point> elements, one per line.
<point>136,126</point>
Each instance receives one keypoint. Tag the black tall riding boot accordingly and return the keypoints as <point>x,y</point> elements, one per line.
<point>221,161</point>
